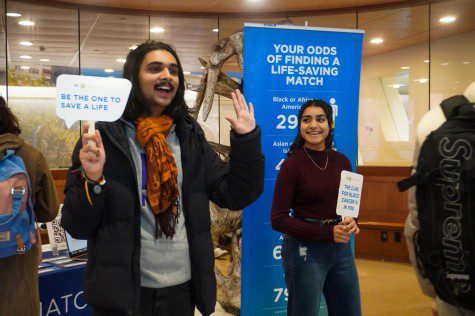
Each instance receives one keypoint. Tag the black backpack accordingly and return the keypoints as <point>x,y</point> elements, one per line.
<point>445,195</point>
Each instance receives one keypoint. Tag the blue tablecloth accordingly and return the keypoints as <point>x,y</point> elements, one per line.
<point>61,290</point>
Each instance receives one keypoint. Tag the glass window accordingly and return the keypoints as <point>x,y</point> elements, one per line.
<point>106,39</point>
<point>42,44</point>
<point>394,84</point>
<point>452,65</point>
<point>396,103</point>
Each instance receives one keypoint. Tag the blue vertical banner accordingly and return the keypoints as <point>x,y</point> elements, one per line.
<point>284,66</point>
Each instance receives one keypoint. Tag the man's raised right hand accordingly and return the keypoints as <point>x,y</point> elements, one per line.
<point>92,154</point>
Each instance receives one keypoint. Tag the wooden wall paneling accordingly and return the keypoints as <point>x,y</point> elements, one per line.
<point>383,212</point>
<point>381,241</point>
<point>59,178</point>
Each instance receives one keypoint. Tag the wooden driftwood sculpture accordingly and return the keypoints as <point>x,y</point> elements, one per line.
<point>229,287</point>
<point>213,80</point>
<point>226,224</point>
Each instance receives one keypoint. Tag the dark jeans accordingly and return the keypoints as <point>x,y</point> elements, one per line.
<point>175,300</point>
<point>312,268</point>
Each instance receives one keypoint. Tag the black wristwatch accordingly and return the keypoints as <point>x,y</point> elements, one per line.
<point>97,186</point>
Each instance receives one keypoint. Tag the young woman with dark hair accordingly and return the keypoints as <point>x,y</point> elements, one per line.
<point>19,274</point>
<point>141,194</point>
<point>316,254</point>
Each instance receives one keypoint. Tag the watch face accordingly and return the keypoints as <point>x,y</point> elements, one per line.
<point>97,189</point>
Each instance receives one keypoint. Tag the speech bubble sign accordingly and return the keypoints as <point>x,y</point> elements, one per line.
<point>349,194</point>
<point>91,98</point>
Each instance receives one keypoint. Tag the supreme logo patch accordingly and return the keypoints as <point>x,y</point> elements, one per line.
<point>4,236</point>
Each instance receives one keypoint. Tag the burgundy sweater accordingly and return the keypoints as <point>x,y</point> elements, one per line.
<point>309,191</point>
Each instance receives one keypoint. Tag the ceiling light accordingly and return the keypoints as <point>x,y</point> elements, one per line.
<point>254,1</point>
<point>444,64</point>
<point>202,67</point>
<point>157,30</point>
<point>216,30</point>
<point>13,14</point>
<point>133,47</point>
<point>447,19</point>
<point>25,57</point>
<point>25,67</point>
<point>120,60</point>
<point>457,82</point>
<point>26,43</point>
<point>108,70</point>
<point>186,72</point>
<point>422,80</point>
<point>466,62</point>
<point>26,23</point>
<point>426,61</point>
<point>376,41</point>
<point>405,67</point>
<point>44,59</point>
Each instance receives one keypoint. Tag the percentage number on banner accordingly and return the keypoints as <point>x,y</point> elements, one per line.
<point>277,253</point>
<point>278,294</point>
<point>289,122</point>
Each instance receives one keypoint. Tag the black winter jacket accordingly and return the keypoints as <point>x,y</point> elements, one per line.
<point>112,224</point>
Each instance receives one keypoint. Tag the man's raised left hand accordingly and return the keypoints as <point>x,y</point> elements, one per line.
<point>244,121</point>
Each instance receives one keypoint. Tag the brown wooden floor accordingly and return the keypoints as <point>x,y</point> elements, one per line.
<point>386,289</point>
<point>390,289</point>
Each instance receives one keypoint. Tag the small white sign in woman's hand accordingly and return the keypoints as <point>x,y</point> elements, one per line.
<point>349,194</point>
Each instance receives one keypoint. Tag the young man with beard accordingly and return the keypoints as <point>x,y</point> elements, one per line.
<point>141,193</point>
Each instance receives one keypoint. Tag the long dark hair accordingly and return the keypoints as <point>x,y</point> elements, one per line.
<point>299,141</point>
<point>136,104</point>
<point>8,121</point>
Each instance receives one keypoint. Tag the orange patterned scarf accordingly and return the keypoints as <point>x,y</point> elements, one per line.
<point>162,173</point>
